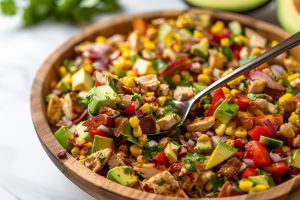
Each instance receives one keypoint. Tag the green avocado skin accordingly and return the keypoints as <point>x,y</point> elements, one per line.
<point>270,141</point>
<point>288,15</point>
<point>63,135</point>
<point>203,146</point>
<point>226,111</point>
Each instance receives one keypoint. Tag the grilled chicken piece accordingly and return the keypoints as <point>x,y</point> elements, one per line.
<point>120,126</point>
<point>265,105</point>
<point>101,77</point>
<point>54,109</point>
<point>146,170</point>
<point>257,86</point>
<point>227,190</point>
<point>148,82</point>
<point>296,141</point>
<point>231,167</point>
<point>187,179</point>
<point>164,183</point>
<point>164,141</point>
<point>163,90</point>
<point>216,59</point>
<point>115,161</point>
<point>182,93</point>
<point>127,100</point>
<point>201,124</point>
<point>255,39</point>
<point>97,160</point>
<point>71,108</point>
<point>109,111</point>
<point>168,121</point>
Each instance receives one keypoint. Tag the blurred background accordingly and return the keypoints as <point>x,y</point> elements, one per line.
<point>32,30</point>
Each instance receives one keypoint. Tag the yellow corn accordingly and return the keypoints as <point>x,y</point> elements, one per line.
<point>230,142</point>
<point>149,45</point>
<point>88,68</point>
<point>136,150</point>
<point>137,131</point>
<point>245,185</point>
<point>81,157</point>
<point>88,145</point>
<point>286,131</point>
<point>217,27</point>
<point>177,47</point>
<point>122,64</point>
<point>260,187</point>
<point>226,91</point>
<point>274,43</point>
<point>73,69</point>
<point>126,52</point>
<point>176,78</point>
<point>292,77</point>
<point>129,81</point>
<point>100,39</point>
<point>197,34</point>
<point>240,39</point>
<point>130,74</point>
<point>185,73</point>
<point>150,94</point>
<point>220,130</point>
<point>255,52</point>
<point>145,108</point>
<point>241,132</point>
<point>139,159</point>
<point>234,92</point>
<point>286,149</point>
<point>172,22</point>
<point>208,187</point>
<point>203,78</point>
<point>151,32</point>
<point>294,119</point>
<point>298,105</point>
<point>244,114</point>
<point>83,151</point>
<point>134,121</point>
<point>236,81</point>
<point>75,151</point>
<point>231,128</point>
<point>287,97</point>
<point>157,128</point>
<point>225,42</point>
<point>161,100</point>
<point>143,140</point>
<point>202,138</point>
<point>63,70</point>
<point>207,71</point>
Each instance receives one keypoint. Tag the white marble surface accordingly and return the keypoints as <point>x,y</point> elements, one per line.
<point>25,170</point>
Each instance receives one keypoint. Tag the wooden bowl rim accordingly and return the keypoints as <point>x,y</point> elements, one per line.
<point>88,180</point>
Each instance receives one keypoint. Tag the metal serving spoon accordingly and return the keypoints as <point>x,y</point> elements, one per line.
<point>184,107</point>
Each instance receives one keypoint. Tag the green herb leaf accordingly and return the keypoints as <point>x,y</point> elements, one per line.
<point>159,65</point>
<point>120,74</point>
<point>227,52</point>
<point>137,96</point>
<point>151,151</point>
<point>246,59</point>
<point>190,167</point>
<point>160,182</point>
<point>128,134</point>
<point>216,182</point>
<point>289,87</point>
<point>169,107</point>
<point>101,159</point>
<point>193,157</point>
<point>8,7</point>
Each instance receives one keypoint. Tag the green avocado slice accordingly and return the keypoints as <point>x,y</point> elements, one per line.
<point>288,15</point>
<point>123,175</point>
<point>63,134</point>
<point>226,111</point>
<point>101,142</point>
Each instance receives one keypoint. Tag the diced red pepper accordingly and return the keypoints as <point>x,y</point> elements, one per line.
<point>257,152</point>
<point>217,97</point>
<point>249,172</point>
<point>238,154</point>
<point>243,105</point>
<point>277,169</point>
<point>236,51</point>
<point>180,64</point>
<point>238,143</point>
<point>255,133</point>
<point>161,158</point>
<point>218,37</point>
<point>99,132</point>
<point>130,110</point>
<point>98,83</point>
<point>278,150</point>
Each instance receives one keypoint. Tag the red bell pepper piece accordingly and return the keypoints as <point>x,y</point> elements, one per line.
<point>217,97</point>
<point>130,110</point>
<point>278,150</point>
<point>161,158</point>
<point>249,172</point>
<point>243,105</point>
<point>236,51</point>
<point>218,37</point>
<point>277,169</point>
<point>180,64</point>
<point>255,133</point>
<point>257,152</point>
<point>238,154</point>
<point>99,132</point>
<point>238,143</point>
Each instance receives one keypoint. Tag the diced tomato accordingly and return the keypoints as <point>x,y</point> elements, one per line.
<point>236,51</point>
<point>238,154</point>
<point>249,172</point>
<point>277,169</point>
<point>255,133</point>
<point>278,150</point>
<point>257,152</point>
<point>243,105</point>
<point>217,97</point>
<point>98,83</point>
<point>130,110</point>
<point>161,158</point>
<point>99,132</point>
<point>220,36</point>
<point>238,143</point>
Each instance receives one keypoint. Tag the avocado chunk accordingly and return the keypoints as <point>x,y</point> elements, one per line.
<point>226,111</point>
<point>123,175</point>
<point>288,15</point>
<point>229,5</point>
<point>198,86</point>
<point>63,134</point>
<point>296,158</point>
<point>203,146</point>
<point>82,81</point>
<point>235,27</point>
<point>163,31</point>
<point>63,85</point>
<point>101,142</point>
<point>83,132</point>
<point>102,95</point>
<point>260,179</point>
<point>170,153</point>
<point>201,49</point>
<point>221,153</point>
<point>270,141</point>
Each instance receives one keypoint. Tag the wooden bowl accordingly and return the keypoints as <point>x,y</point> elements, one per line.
<point>92,183</point>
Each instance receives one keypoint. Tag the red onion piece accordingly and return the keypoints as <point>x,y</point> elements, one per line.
<point>115,55</point>
<point>104,128</point>
<point>68,122</point>
<point>242,168</point>
<point>249,162</point>
<point>216,139</point>
<point>209,133</point>
<point>139,113</point>
<point>275,157</point>
<point>191,142</point>
<point>57,92</point>
<point>259,75</point>
<point>270,126</point>
<point>194,135</point>
<point>277,70</point>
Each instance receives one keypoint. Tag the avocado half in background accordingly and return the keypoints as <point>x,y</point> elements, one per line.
<point>228,5</point>
<point>288,13</point>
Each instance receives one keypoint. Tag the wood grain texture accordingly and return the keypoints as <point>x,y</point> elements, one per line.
<point>92,183</point>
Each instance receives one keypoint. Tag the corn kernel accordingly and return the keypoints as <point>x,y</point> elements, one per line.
<point>75,151</point>
<point>129,82</point>
<point>143,140</point>
<point>203,78</point>
<point>286,149</point>
<point>231,128</point>
<point>79,140</point>
<point>240,39</point>
<point>202,138</point>
<point>162,100</point>
<point>285,98</point>
<point>172,22</point>
<point>230,142</point>
<point>220,130</point>
<point>136,150</point>
<point>83,151</point>
<point>286,131</point>
<point>88,145</point>
<point>207,71</point>
<point>130,74</point>
<point>63,70</point>
<point>245,185</point>
<point>68,78</point>
<point>208,186</point>
<point>100,39</point>
<point>225,42</point>
<point>294,119</point>
<point>274,43</point>
<point>236,81</point>
<point>217,27</point>
<point>241,132</point>
<point>255,52</point>
<point>197,34</point>
<point>176,79</point>
<point>260,187</point>
<point>234,92</point>
<point>81,157</point>
<point>137,131</point>
<point>226,91</point>
<point>122,64</point>
<point>157,128</point>
<point>150,94</point>
<point>145,108</point>
<point>73,69</point>
<point>139,159</point>
<point>242,114</point>
<point>149,45</point>
<point>177,47</point>
<point>88,68</point>
<point>298,105</point>
<point>134,121</point>
<point>292,77</point>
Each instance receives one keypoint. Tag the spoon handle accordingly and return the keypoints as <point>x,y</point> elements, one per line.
<point>283,46</point>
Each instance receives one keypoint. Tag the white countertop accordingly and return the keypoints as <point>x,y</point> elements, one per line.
<point>26,172</point>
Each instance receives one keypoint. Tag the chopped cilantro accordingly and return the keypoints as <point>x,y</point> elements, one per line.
<point>120,74</point>
<point>159,65</point>
<point>137,96</point>
<point>160,182</point>
<point>170,82</point>
<point>289,87</point>
<point>150,151</point>
<point>193,157</point>
<point>101,159</point>
<point>169,107</point>
<point>185,81</point>
<point>267,175</point>
<point>178,178</point>
<point>227,52</point>
<point>82,101</point>
<point>128,134</point>
<point>216,182</point>
<point>176,143</point>
<point>112,83</point>
<point>120,105</point>
<point>190,167</point>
